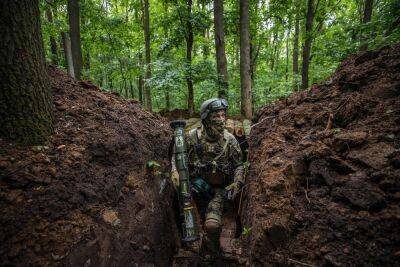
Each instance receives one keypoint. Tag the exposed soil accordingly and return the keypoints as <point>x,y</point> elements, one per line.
<point>86,198</point>
<point>324,183</point>
<point>323,187</point>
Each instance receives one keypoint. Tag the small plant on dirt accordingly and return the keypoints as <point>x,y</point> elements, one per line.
<point>336,130</point>
<point>246,230</point>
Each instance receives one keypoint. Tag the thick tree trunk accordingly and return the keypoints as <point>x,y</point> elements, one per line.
<point>296,50</point>
<point>68,54</point>
<point>368,6</point>
<point>74,28</point>
<point>222,70</point>
<point>26,111</point>
<point>307,44</point>
<point>189,48</point>
<point>146,28</point>
<point>245,79</point>
<point>53,43</point>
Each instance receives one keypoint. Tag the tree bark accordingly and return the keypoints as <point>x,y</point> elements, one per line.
<point>189,48</point>
<point>368,7</point>
<point>219,36</point>
<point>140,80</point>
<point>146,28</point>
<point>167,101</point>
<point>245,79</point>
<point>74,27</point>
<point>68,54</point>
<point>287,55</point>
<point>274,49</point>
<point>205,48</point>
<point>26,110</point>
<point>307,44</point>
<point>53,43</point>
<point>296,49</point>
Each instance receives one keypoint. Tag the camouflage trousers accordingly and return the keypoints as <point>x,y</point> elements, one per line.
<point>210,244</point>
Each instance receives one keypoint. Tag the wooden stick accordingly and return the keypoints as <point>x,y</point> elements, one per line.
<point>301,263</point>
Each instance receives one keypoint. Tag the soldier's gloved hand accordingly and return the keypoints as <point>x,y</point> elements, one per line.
<point>175,178</point>
<point>233,190</point>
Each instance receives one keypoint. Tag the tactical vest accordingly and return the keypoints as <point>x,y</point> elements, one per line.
<point>210,159</point>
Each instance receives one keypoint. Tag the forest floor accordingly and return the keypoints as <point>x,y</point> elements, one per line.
<point>322,190</point>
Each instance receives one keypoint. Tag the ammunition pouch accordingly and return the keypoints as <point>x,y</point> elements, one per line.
<point>212,167</point>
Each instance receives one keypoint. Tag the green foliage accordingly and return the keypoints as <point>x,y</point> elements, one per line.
<point>113,44</point>
<point>246,230</point>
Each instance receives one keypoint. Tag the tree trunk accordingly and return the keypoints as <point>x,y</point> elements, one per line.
<point>146,28</point>
<point>140,80</point>
<point>26,110</point>
<point>274,49</point>
<point>287,56</point>
<point>87,61</point>
<point>245,79</point>
<point>189,48</point>
<point>307,44</point>
<point>296,49</point>
<point>86,57</point>
<point>74,28</point>
<point>254,47</point>
<point>53,43</point>
<point>206,48</point>
<point>130,90</point>
<point>110,85</point>
<point>68,54</point>
<point>222,70</point>
<point>368,6</point>
<point>167,101</point>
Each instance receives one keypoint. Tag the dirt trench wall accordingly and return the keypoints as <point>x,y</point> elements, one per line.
<point>85,198</point>
<point>323,187</point>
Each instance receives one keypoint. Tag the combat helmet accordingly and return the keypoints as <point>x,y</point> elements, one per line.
<point>212,105</point>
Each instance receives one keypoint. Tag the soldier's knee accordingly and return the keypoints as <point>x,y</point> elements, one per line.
<point>212,226</point>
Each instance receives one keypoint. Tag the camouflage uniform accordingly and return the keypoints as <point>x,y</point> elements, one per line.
<point>219,163</point>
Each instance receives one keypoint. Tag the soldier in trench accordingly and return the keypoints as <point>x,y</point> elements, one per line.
<point>216,171</point>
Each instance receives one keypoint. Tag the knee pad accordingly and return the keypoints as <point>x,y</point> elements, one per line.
<point>212,226</point>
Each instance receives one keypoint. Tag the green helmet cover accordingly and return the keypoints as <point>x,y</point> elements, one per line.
<point>212,105</point>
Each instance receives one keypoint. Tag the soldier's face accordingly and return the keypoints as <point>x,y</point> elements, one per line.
<point>218,115</point>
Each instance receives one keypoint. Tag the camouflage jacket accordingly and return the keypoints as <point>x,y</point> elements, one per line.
<point>219,162</point>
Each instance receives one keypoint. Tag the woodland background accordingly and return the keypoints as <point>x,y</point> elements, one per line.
<point>293,44</point>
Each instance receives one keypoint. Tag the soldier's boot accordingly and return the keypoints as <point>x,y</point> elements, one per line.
<point>210,249</point>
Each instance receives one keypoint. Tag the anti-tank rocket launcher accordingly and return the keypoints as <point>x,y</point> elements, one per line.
<point>190,229</point>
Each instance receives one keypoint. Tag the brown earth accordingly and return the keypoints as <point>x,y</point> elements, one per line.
<point>85,198</point>
<point>323,187</point>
